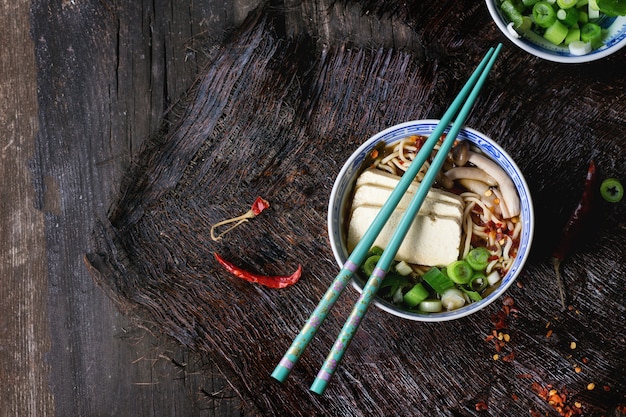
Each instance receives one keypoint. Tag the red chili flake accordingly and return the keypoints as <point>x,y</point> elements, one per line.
<point>558,400</point>
<point>258,206</point>
<point>509,358</point>
<point>539,390</point>
<point>481,406</point>
<point>272,281</point>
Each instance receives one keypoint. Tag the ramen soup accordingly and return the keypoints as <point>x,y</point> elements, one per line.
<point>464,238</point>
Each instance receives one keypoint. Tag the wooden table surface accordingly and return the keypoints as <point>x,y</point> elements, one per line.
<point>90,93</point>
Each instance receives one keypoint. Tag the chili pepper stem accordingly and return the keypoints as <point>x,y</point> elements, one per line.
<point>258,206</point>
<point>556,262</point>
<point>239,220</point>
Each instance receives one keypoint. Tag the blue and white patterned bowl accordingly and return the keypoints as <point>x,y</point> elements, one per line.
<point>341,195</point>
<point>534,44</point>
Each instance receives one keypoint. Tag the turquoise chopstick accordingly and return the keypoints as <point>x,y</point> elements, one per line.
<point>388,255</point>
<point>306,334</point>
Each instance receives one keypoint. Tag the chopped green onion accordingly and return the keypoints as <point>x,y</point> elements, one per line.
<point>566,4</point>
<point>478,282</point>
<point>593,10</point>
<point>431,306</point>
<point>573,35</point>
<point>473,295</point>
<point>415,295</point>
<point>370,264</point>
<point>612,190</point>
<point>478,258</point>
<point>569,17</point>
<point>556,33</point>
<point>512,13</point>
<point>544,14</point>
<point>591,32</point>
<point>452,299</point>
<point>460,272</point>
<point>493,278</point>
<point>403,268</point>
<point>579,48</point>
<point>376,250</point>
<point>437,280</point>
<point>529,3</point>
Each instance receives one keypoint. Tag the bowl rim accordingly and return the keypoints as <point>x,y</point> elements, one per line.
<point>533,49</point>
<point>386,306</point>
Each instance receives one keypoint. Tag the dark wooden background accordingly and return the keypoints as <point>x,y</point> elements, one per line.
<point>85,83</point>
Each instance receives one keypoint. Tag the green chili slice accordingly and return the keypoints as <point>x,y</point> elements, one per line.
<point>612,190</point>
<point>460,272</point>
<point>437,280</point>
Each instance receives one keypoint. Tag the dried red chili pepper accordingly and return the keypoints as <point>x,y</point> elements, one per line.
<point>573,227</point>
<point>258,206</point>
<point>272,281</point>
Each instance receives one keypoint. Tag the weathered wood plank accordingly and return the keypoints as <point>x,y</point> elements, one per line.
<point>24,331</point>
<point>107,74</point>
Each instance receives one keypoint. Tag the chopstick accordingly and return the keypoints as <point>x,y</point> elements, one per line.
<point>464,101</point>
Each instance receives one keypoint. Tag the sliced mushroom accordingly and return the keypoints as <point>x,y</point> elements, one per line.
<point>460,153</point>
<point>472,173</point>
<point>507,188</point>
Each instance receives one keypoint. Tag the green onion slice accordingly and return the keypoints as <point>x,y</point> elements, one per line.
<point>612,190</point>
<point>478,258</point>
<point>431,306</point>
<point>437,280</point>
<point>370,264</point>
<point>591,32</point>
<point>415,295</point>
<point>556,33</point>
<point>478,282</point>
<point>544,14</point>
<point>460,272</point>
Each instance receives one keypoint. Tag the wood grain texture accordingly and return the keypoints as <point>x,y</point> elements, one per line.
<point>24,331</point>
<point>276,116</point>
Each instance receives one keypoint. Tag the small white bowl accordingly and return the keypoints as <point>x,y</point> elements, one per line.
<point>538,46</point>
<point>341,195</point>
